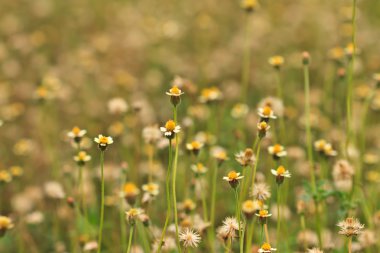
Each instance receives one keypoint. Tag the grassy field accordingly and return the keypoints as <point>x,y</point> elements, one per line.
<point>189,126</point>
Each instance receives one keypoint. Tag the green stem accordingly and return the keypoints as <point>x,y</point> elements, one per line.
<point>248,242</point>
<point>246,60</point>
<point>204,203</point>
<point>278,213</point>
<point>102,202</point>
<point>168,202</point>
<point>257,162</point>
<point>213,199</point>
<point>130,238</point>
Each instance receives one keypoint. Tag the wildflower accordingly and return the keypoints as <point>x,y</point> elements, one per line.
<point>350,227</point>
<point>336,54</point>
<point>266,113</point>
<point>82,157</point>
<point>233,178</point>
<point>219,154</point>
<point>175,95</point>
<point>324,148</point>
<point>16,171</point>
<point>76,134</point>
<point>261,191</point>
<point>277,151</point>
<point>117,106</point>
<point>280,174</point>
<point>367,238</point>
<point>151,188</point>
<point>189,238</point>
<point>314,250</point>
<point>188,205</point>
<point>246,157</point>
<point>249,207</point>
<point>90,246</point>
<point>5,177</point>
<point>170,129</point>
<point>239,111</point>
<point>103,141</point>
<point>5,224</point>
<point>249,5</point>
<point>276,61</point>
<point>130,192</point>
<point>132,214</point>
<point>194,147</point>
<point>211,94</point>
<point>266,248</point>
<point>198,169</point>
<point>229,228</point>
<point>275,103</point>
<point>263,215</point>
<point>342,174</point>
<point>151,134</point>
<point>54,190</point>
<point>262,128</point>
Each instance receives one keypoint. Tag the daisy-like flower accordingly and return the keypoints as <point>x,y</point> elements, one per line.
<point>131,192</point>
<point>133,214</point>
<point>280,174</point>
<point>266,113</point>
<point>189,238</point>
<point>263,215</point>
<point>277,151</point>
<point>170,129</point>
<point>211,94</point>
<point>249,5</point>
<point>262,128</point>
<point>276,61</point>
<point>5,177</point>
<point>219,154</point>
<point>350,227</point>
<point>324,148</point>
<point>175,95</point>
<point>239,111</point>
<point>82,157</point>
<point>199,169</point>
<point>261,191</point>
<point>188,205</point>
<point>103,141</point>
<point>151,188</point>
<point>76,134</point>
<point>5,225</point>
<point>194,147</point>
<point>266,248</point>
<point>233,178</point>
<point>246,157</point>
<point>249,207</point>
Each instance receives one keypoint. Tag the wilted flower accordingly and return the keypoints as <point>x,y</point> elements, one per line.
<point>189,238</point>
<point>277,151</point>
<point>132,214</point>
<point>266,248</point>
<point>245,157</point>
<point>54,190</point>
<point>350,226</point>
<point>117,106</point>
<point>367,238</point>
<point>261,191</point>
<point>151,134</point>
<point>342,174</point>
<point>170,129</point>
<point>103,141</point>
<point>229,228</point>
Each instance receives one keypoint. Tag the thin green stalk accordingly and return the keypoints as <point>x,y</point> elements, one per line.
<point>238,216</point>
<point>349,246</point>
<point>102,202</point>
<point>123,232</point>
<point>278,213</point>
<point>168,202</point>
<point>213,199</point>
<point>350,78</point>
<point>130,238</point>
<point>248,242</point>
<point>256,163</point>
<point>174,183</point>
<point>204,203</point>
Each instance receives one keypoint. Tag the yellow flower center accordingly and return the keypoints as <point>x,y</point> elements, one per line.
<point>175,90</point>
<point>277,148</point>
<point>196,145</point>
<point>170,125</point>
<point>103,140</point>
<point>266,246</point>
<point>232,175</point>
<point>263,125</point>
<point>267,111</point>
<point>76,130</point>
<point>82,155</point>
<point>151,187</point>
<point>129,188</point>
<point>42,92</point>
<point>263,213</point>
<point>280,170</point>
<point>248,204</point>
<point>248,152</point>
<point>4,222</point>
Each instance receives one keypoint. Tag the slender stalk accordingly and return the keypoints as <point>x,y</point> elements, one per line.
<point>204,203</point>
<point>350,78</point>
<point>130,238</point>
<point>168,202</point>
<point>213,198</point>
<point>123,232</point>
<point>257,162</point>
<point>266,233</point>
<point>278,213</point>
<point>349,246</point>
<point>238,216</point>
<point>102,202</point>
<point>248,242</point>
